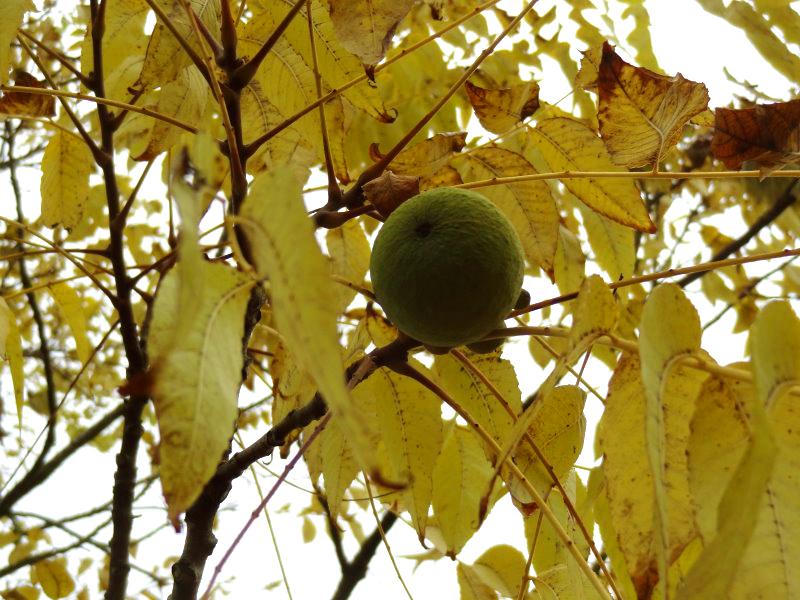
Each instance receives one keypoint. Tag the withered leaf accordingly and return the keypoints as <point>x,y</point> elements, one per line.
<point>500,109</point>
<point>425,157</point>
<point>642,113</point>
<point>389,191</point>
<point>26,104</point>
<point>766,134</point>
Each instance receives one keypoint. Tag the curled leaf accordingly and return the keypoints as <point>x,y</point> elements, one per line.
<point>389,191</point>
<point>642,113</point>
<point>500,109</point>
<point>766,134</point>
<point>26,104</point>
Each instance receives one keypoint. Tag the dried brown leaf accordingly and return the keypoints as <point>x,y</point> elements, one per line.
<point>389,191</point>
<point>766,134</point>
<point>642,113</point>
<point>24,104</point>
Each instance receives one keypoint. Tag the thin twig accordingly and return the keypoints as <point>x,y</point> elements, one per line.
<point>707,266</point>
<point>786,199</point>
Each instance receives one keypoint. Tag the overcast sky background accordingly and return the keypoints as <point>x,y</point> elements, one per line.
<point>686,40</point>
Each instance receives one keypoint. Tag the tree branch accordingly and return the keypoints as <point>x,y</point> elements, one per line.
<point>786,199</point>
<point>357,568</point>
<point>200,540</point>
<point>44,351</point>
<point>31,481</point>
<point>245,73</point>
<point>125,475</point>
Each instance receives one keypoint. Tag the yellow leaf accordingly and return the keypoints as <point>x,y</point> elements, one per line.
<point>747,508</point>
<point>349,250</point>
<point>336,65</point>
<point>501,567</point>
<point>500,109</point>
<point>758,31</point>
<point>426,157</point>
<point>301,291</point>
<point>556,424</point>
<point>476,398</point>
<point>569,261</point>
<point>529,205</point>
<point>23,592</point>
<point>309,530</point>
<point>53,577</point>
<point>165,57</point>
<point>730,427</point>
<point>288,149</point>
<point>602,516</point>
<point>556,583</point>
<point>124,23</point>
<point>596,313</point>
<point>66,166</point>
<point>292,386</point>
<point>284,85</point>
<point>11,14</point>
<point>338,462</point>
<point>365,29</point>
<point>11,350</point>
<point>195,347</point>
<point>71,307</point>
<point>460,481</point>
<point>662,342</point>
<point>775,347</point>
<point>569,145</point>
<point>630,479</point>
<point>410,422</point>
<point>612,243</point>
<point>183,98</point>
<point>550,550</point>
<point>590,66</point>
<point>642,113</point>
<point>639,36</point>
<point>470,585</point>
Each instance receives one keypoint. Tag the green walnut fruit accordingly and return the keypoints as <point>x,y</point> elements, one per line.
<point>447,267</point>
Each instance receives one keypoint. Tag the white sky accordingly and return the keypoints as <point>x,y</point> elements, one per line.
<point>685,39</point>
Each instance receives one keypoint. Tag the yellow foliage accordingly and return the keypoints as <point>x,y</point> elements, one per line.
<point>52,575</point>
<point>66,166</point>
<point>529,205</point>
<point>301,292</point>
<point>196,356</point>
<point>569,145</point>
<point>410,423</point>
<point>11,15</point>
<point>11,350</point>
<point>460,480</point>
